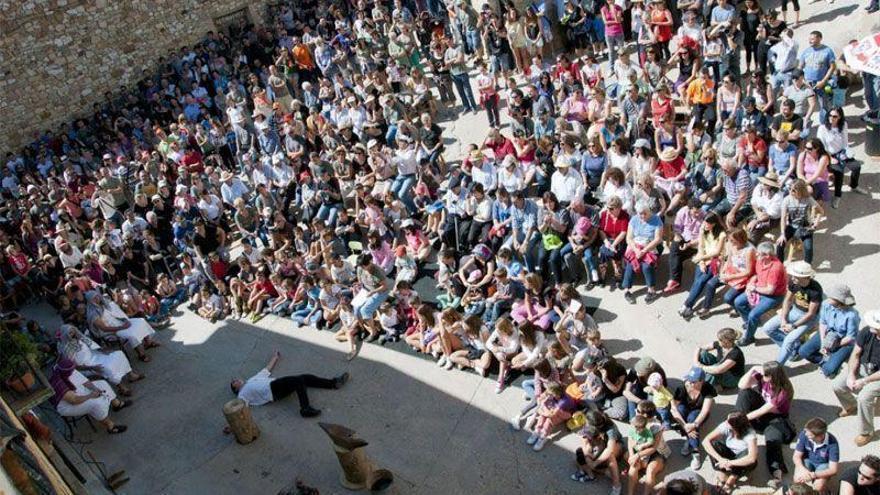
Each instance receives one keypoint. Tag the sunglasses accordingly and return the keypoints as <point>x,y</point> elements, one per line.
<point>867,477</point>
<point>809,148</point>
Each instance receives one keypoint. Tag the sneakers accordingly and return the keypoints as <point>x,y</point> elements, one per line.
<point>686,449</point>
<point>442,361</point>
<point>515,422</point>
<point>582,477</point>
<point>532,439</point>
<point>859,190</point>
<point>499,387</point>
<point>482,371</point>
<point>696,461</point>
<point>539,444</point>
<point>744,342</point>
<point>651,297</point>
<point>616,490</point>
<point>309,412</point>
<point>776,480</point>
<point>341,380</point>
<point>449,365</point>
<point>685,312</point>
<point>835,203</point>
<point>630,298</point>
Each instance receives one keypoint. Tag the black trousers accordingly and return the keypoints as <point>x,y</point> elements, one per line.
<point>677,256</point>
<point>776,428</point>
<point>286,385</point>
<point>728,454</point>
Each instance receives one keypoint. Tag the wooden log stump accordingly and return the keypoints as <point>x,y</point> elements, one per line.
<point>358,472</point>
<point>238,415</point>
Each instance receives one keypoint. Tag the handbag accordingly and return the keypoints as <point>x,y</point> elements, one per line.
<point>551,241</point>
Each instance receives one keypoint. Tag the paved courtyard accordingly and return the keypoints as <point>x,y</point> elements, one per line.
<point>443,432</point>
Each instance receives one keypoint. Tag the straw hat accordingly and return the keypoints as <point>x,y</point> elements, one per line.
<point>668,154</point>
<point>771,179</point>
<point>800,269</point>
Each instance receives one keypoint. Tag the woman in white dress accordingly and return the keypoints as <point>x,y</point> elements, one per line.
<point>86,354</point>
<point>105,317</point>
<point>75,396</point>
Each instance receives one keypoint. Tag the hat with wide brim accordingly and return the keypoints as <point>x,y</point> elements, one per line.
<point>872,319</point>
<point>668,154</point>
<point>770,179</point>
<point>800,269</point>
<point>841,293</point>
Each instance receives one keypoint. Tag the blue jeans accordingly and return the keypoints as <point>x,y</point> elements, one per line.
<point>788,342</point>
<point>472,39</point>
<point>590,261</point>
<point>828,365</point>
<point>704,281</point>
<point>690,415</point>
<point>402,188</point>
<point>300,316</point>
<point>551,261</point>
<point>494,310</point>
<point>463,86</point>
<point>327,213</point>
<point>614,43</point>
<point>390,135</point>
<point>172,301</point>
<point>629,273</point>
<point>752,315</point>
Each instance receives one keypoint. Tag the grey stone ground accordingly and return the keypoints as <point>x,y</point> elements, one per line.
<point>441,431</point>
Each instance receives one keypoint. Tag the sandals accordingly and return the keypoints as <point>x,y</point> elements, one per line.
<point>151,344</point>
<point>122,405</point>
<point>144,358</point>
<point>140,377</point>
<point>117,429</point>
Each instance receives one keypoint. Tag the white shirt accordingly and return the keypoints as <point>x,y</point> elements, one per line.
<point>486,174</point>
<point>834,140</point>
<point>407,161</point>
<point>256,391</point>
<point>568,186</point>
<point>213,209</point>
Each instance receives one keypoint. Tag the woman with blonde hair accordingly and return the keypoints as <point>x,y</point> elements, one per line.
<point>801,215</point>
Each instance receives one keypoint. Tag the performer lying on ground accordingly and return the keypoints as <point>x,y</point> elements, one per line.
<point>263,388</point>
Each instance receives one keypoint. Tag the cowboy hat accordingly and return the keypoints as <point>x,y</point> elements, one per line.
<point>841,293</point>
<point>668,154</point>
<point>800,269</point>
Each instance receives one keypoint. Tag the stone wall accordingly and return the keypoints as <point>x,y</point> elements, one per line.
<point>58,57</point>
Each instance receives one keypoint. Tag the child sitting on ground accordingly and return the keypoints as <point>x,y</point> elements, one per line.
<point>405,264</point>
<point>210,305</point>
<point>282,305</point>
<point>641,442</point>
<point>473,301</point>
<point>390,323</point>
<point>551,414</point>
<point>661,397</point>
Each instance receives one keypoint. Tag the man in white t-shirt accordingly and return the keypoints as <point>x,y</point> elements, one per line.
<point>262,388</point>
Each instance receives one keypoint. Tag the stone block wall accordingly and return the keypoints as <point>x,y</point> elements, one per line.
<point>59,57</point>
